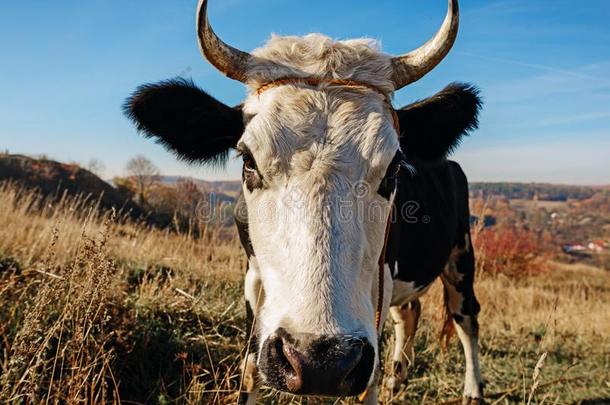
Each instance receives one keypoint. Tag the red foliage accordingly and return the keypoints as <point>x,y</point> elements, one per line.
<point>508,250</point>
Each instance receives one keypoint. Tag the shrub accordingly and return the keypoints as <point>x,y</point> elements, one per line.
<point>508,250</point>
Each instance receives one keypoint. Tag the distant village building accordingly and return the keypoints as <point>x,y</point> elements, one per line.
<point>578,249</point>
<point>574,249</point>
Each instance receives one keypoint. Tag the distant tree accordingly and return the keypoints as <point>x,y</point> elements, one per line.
<point>189,197</point>
<point>529,191</point>
<point>96,167</point>
<point>145,175</point>
<point>126,186</point>
<point>162,202</point>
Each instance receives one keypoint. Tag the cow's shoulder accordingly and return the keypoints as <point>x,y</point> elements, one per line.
<point>432,216</point>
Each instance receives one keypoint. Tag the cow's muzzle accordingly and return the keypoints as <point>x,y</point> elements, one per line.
<point>317,365</point>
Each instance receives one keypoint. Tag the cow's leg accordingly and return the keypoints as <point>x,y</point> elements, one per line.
<point>254,297</point>
<point>406,318</point>
<point>458,280</point>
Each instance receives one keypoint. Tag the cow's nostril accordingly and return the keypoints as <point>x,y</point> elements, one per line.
<point>294,371</point>
<point>287,362</point>
<point>309,365</point>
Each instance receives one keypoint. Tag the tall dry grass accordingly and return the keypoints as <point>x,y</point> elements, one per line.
<point>60,350</point>
<point>88,299</point>
<point>30,222</point>
<point>96,309</point>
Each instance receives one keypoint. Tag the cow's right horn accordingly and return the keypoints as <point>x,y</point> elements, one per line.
<point>414,65</point>
<point>230,61</point>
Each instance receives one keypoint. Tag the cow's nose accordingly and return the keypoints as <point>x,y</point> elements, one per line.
<point>321,366</point>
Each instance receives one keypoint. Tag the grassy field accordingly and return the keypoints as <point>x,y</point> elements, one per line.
<point>94,309</point>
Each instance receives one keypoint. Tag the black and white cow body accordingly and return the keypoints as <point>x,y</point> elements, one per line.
<point>432,242</point>
<point>320,139</point>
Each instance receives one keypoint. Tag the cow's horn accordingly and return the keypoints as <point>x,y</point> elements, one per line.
<point>230,61</point>
<point>414,65</point>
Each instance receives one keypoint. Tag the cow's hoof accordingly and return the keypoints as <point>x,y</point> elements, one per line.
<point>395,384</point>
<point>396,381</point>
<point>473,401</point>
<point>250,374</point>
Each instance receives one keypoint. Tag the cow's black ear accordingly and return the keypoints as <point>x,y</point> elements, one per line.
<point>432,128</point>
<point>186,120</point>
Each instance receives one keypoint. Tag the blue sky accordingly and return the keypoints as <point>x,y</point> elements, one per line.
<point>543,67</point>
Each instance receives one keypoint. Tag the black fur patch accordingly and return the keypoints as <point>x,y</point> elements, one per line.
<point>433,128</point>
<point>186,120</point>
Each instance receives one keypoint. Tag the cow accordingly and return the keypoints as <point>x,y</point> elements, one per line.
<point>350,209</point>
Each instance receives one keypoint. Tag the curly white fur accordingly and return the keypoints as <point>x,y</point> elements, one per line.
<point>320,56</point>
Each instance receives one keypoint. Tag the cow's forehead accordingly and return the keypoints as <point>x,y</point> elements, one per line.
<point>336,130</point>
<point>317,55</point>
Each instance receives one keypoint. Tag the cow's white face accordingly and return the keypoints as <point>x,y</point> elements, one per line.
<point>314,163</point>
<point>314,159</point>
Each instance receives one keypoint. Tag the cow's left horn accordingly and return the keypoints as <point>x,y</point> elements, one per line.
<point>414,65</point>
<point>230,61</point>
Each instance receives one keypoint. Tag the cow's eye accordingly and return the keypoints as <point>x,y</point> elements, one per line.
<point>251,176</point>
<point>249,163</point>
<point>390,180</point>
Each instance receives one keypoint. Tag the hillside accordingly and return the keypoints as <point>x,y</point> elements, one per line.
<point>53,179</point>
<point>171,202</point>
<point>223,190</point>
<point>530,191</point>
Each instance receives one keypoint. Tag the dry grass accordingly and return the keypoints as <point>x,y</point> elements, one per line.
<point>29,224</point>
<point>99,310</point>
<point>94,309</point>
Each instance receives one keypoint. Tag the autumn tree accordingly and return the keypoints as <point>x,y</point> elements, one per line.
<point>96,167</point>
<point>189,197</point>
<point>145,175</point>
